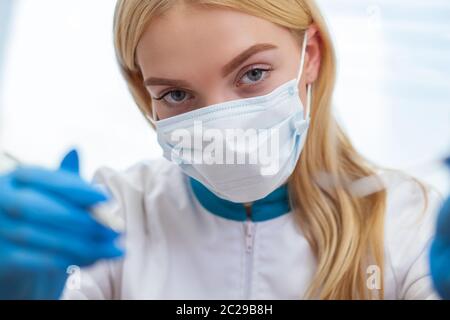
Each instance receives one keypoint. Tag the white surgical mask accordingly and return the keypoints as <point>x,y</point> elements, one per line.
<point>244,149</point>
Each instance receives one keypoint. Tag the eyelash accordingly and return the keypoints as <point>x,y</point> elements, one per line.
<point>265,70</point>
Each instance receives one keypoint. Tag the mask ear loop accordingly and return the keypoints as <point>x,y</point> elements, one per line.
<point>302,59</point>
<point>155,117</point>
<point>299,75</point>
<point>308,101</point>
<point>152,119</point>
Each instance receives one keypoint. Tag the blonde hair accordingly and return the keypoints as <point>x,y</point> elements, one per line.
<point>344,231</point>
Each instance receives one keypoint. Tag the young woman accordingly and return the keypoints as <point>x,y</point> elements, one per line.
<point>322,224</point>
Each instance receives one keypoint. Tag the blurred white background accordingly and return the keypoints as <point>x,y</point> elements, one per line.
<point>62,89</point>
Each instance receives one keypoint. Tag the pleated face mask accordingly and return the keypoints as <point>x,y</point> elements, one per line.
<point>244,149</point>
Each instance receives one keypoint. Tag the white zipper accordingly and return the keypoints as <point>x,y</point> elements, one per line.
<point>249,243</point>
<point>249,236</point>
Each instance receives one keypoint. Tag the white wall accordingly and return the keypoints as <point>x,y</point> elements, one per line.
<point>63,89</point>
<point>5,18</point>
<point>393,92</point>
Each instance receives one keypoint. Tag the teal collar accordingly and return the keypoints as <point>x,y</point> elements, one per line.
<point>270,207</point>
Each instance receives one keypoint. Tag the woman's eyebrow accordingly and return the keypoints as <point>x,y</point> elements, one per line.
<point>241,58</point>
<point>226,70</point>
<point>165,82</point>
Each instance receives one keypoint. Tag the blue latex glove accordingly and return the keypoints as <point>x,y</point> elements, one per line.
<point>440,251</point>
<point>45,227</point>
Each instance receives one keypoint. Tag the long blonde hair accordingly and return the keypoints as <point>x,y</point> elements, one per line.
<point>344,231</point>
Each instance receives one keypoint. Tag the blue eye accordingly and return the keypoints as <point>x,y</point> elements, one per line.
<point>175,97</point>
<point>254,76</point>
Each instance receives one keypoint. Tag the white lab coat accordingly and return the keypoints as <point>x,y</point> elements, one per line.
<point>176,249</point>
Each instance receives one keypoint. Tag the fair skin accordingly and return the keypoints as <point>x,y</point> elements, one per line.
<point>185,57</point>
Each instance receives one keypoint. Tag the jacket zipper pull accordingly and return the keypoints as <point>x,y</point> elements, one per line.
<point>249,229</point>
<point>249,236</point>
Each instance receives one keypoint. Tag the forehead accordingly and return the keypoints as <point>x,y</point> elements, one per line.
<point>199,36</point>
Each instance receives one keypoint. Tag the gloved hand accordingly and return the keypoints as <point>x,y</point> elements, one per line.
<point>45,227</point>
<point>440,251</point>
